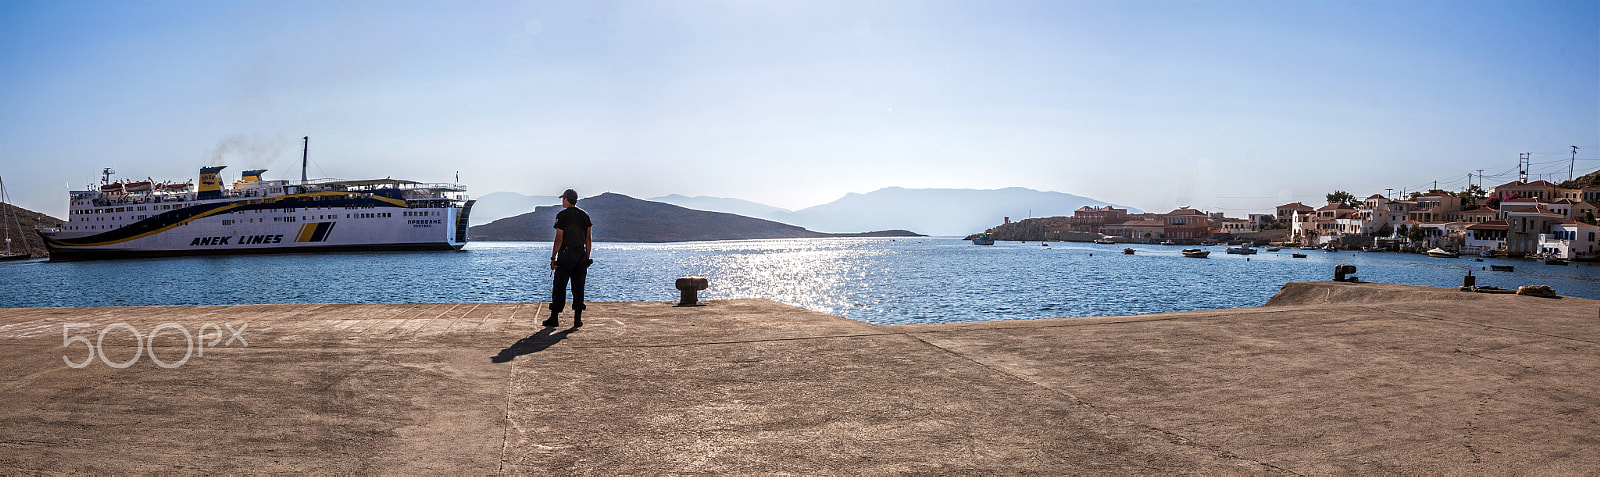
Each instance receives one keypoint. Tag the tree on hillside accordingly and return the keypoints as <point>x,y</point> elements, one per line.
<point>1342,197</point>
<point>1386,231</point>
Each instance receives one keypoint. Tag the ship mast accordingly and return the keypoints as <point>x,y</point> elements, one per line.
<point>305,148</point>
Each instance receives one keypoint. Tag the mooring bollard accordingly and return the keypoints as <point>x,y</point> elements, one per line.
<point>1340,272</point>
<point>1469,281</point>
<point>690,288</point>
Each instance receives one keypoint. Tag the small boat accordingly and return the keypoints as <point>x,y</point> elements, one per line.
<point>176,187</point>
<point>1442,253</point>
<point>1127,251</point>
<point>141,186</point>
<point>1554,260</point>
<point>1242,250</point>
<point>1274,249</point>
<point>1371,249</point>
<point>983,239</point>
<point>1044,244</point>
<point>1330,248</point>
<point>1168,242</point>
<point>1487,254</point>
<point>1103,240</point>
<point>1502,268</point>
<point>1195,253</point>
<point>1309,247</point>
<point>1298,255</point>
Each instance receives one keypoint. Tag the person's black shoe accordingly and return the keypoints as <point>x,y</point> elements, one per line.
<point>551,322</point>
<point>577,319</point>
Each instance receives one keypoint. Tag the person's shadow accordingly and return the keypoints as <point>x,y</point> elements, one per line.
<point>545,338</point>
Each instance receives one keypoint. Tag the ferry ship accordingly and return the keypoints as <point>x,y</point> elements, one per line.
<point>146,219</point>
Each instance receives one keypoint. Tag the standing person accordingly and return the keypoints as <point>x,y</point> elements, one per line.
<point>570,258</point>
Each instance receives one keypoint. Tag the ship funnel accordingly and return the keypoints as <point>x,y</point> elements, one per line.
<point>252,175</point>
<point>210,183</point>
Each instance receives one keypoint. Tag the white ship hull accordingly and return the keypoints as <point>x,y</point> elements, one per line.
<point>271,217</point>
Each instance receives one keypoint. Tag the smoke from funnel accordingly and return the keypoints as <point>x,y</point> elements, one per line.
<point>250,152</point>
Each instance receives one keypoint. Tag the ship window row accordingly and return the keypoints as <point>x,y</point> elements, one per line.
<point>420,213</point>
<point>369,216</point>
<point>113,210</point>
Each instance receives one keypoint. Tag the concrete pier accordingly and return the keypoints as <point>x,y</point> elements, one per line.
<point>1328,378</point>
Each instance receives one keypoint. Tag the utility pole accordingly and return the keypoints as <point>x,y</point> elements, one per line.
<point>1522,167</point>
<point>1389,193</point>
<point>1573,163</point>
<point>1480,177</point>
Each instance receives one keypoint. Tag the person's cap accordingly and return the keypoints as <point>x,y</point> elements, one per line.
<point>570,195</point>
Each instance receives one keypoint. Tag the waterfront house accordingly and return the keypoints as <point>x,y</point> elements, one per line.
<point>1561,206</point>
<point>1584,211</point>
<point>1571,240</point>
<point>1141,229</point>
<point>1579,210</point>
<point>1261,220</point>
<point>1490,235</point>
<point>1091,219</point>
<point>1186,224</point>
<point>1434,206</point>
<point>1590,194</point>
<point>1336,210</point>
<point>1525,224</point>
<point>1237,226</point>
<point>1286,211</point>
<point>1478,215</point>
<point>1529,190</point>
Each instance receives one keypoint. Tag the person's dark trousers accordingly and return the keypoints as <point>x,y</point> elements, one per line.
<point>574,267</point>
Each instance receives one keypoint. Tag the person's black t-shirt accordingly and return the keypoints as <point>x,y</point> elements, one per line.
<point>575,224</point>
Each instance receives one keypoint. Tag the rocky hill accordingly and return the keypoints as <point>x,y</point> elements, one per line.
<point>1586,180</point>
<point>619,218</point>
<point>25,238</point>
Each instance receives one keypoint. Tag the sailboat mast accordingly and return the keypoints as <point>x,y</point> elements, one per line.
<point>6,215</point>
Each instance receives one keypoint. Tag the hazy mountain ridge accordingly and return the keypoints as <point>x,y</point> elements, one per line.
<point>619,218</point>
<point>949,212</point>
<point>498,205</point>
<point>724,204</point>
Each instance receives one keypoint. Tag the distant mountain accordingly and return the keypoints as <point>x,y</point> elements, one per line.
<point>498,205</point>
<point>721,204</point>
<point>619,218</point>
<point>950,212</point>
<point>24,239</point>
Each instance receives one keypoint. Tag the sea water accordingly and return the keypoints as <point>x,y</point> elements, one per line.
<point>882,281</point>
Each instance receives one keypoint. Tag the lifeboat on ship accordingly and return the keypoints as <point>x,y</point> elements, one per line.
<point>112,187</point>
<point>141,186</point>
<point>177,187</point>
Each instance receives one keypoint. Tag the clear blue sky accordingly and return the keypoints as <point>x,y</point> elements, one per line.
<point>1234,106</point>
